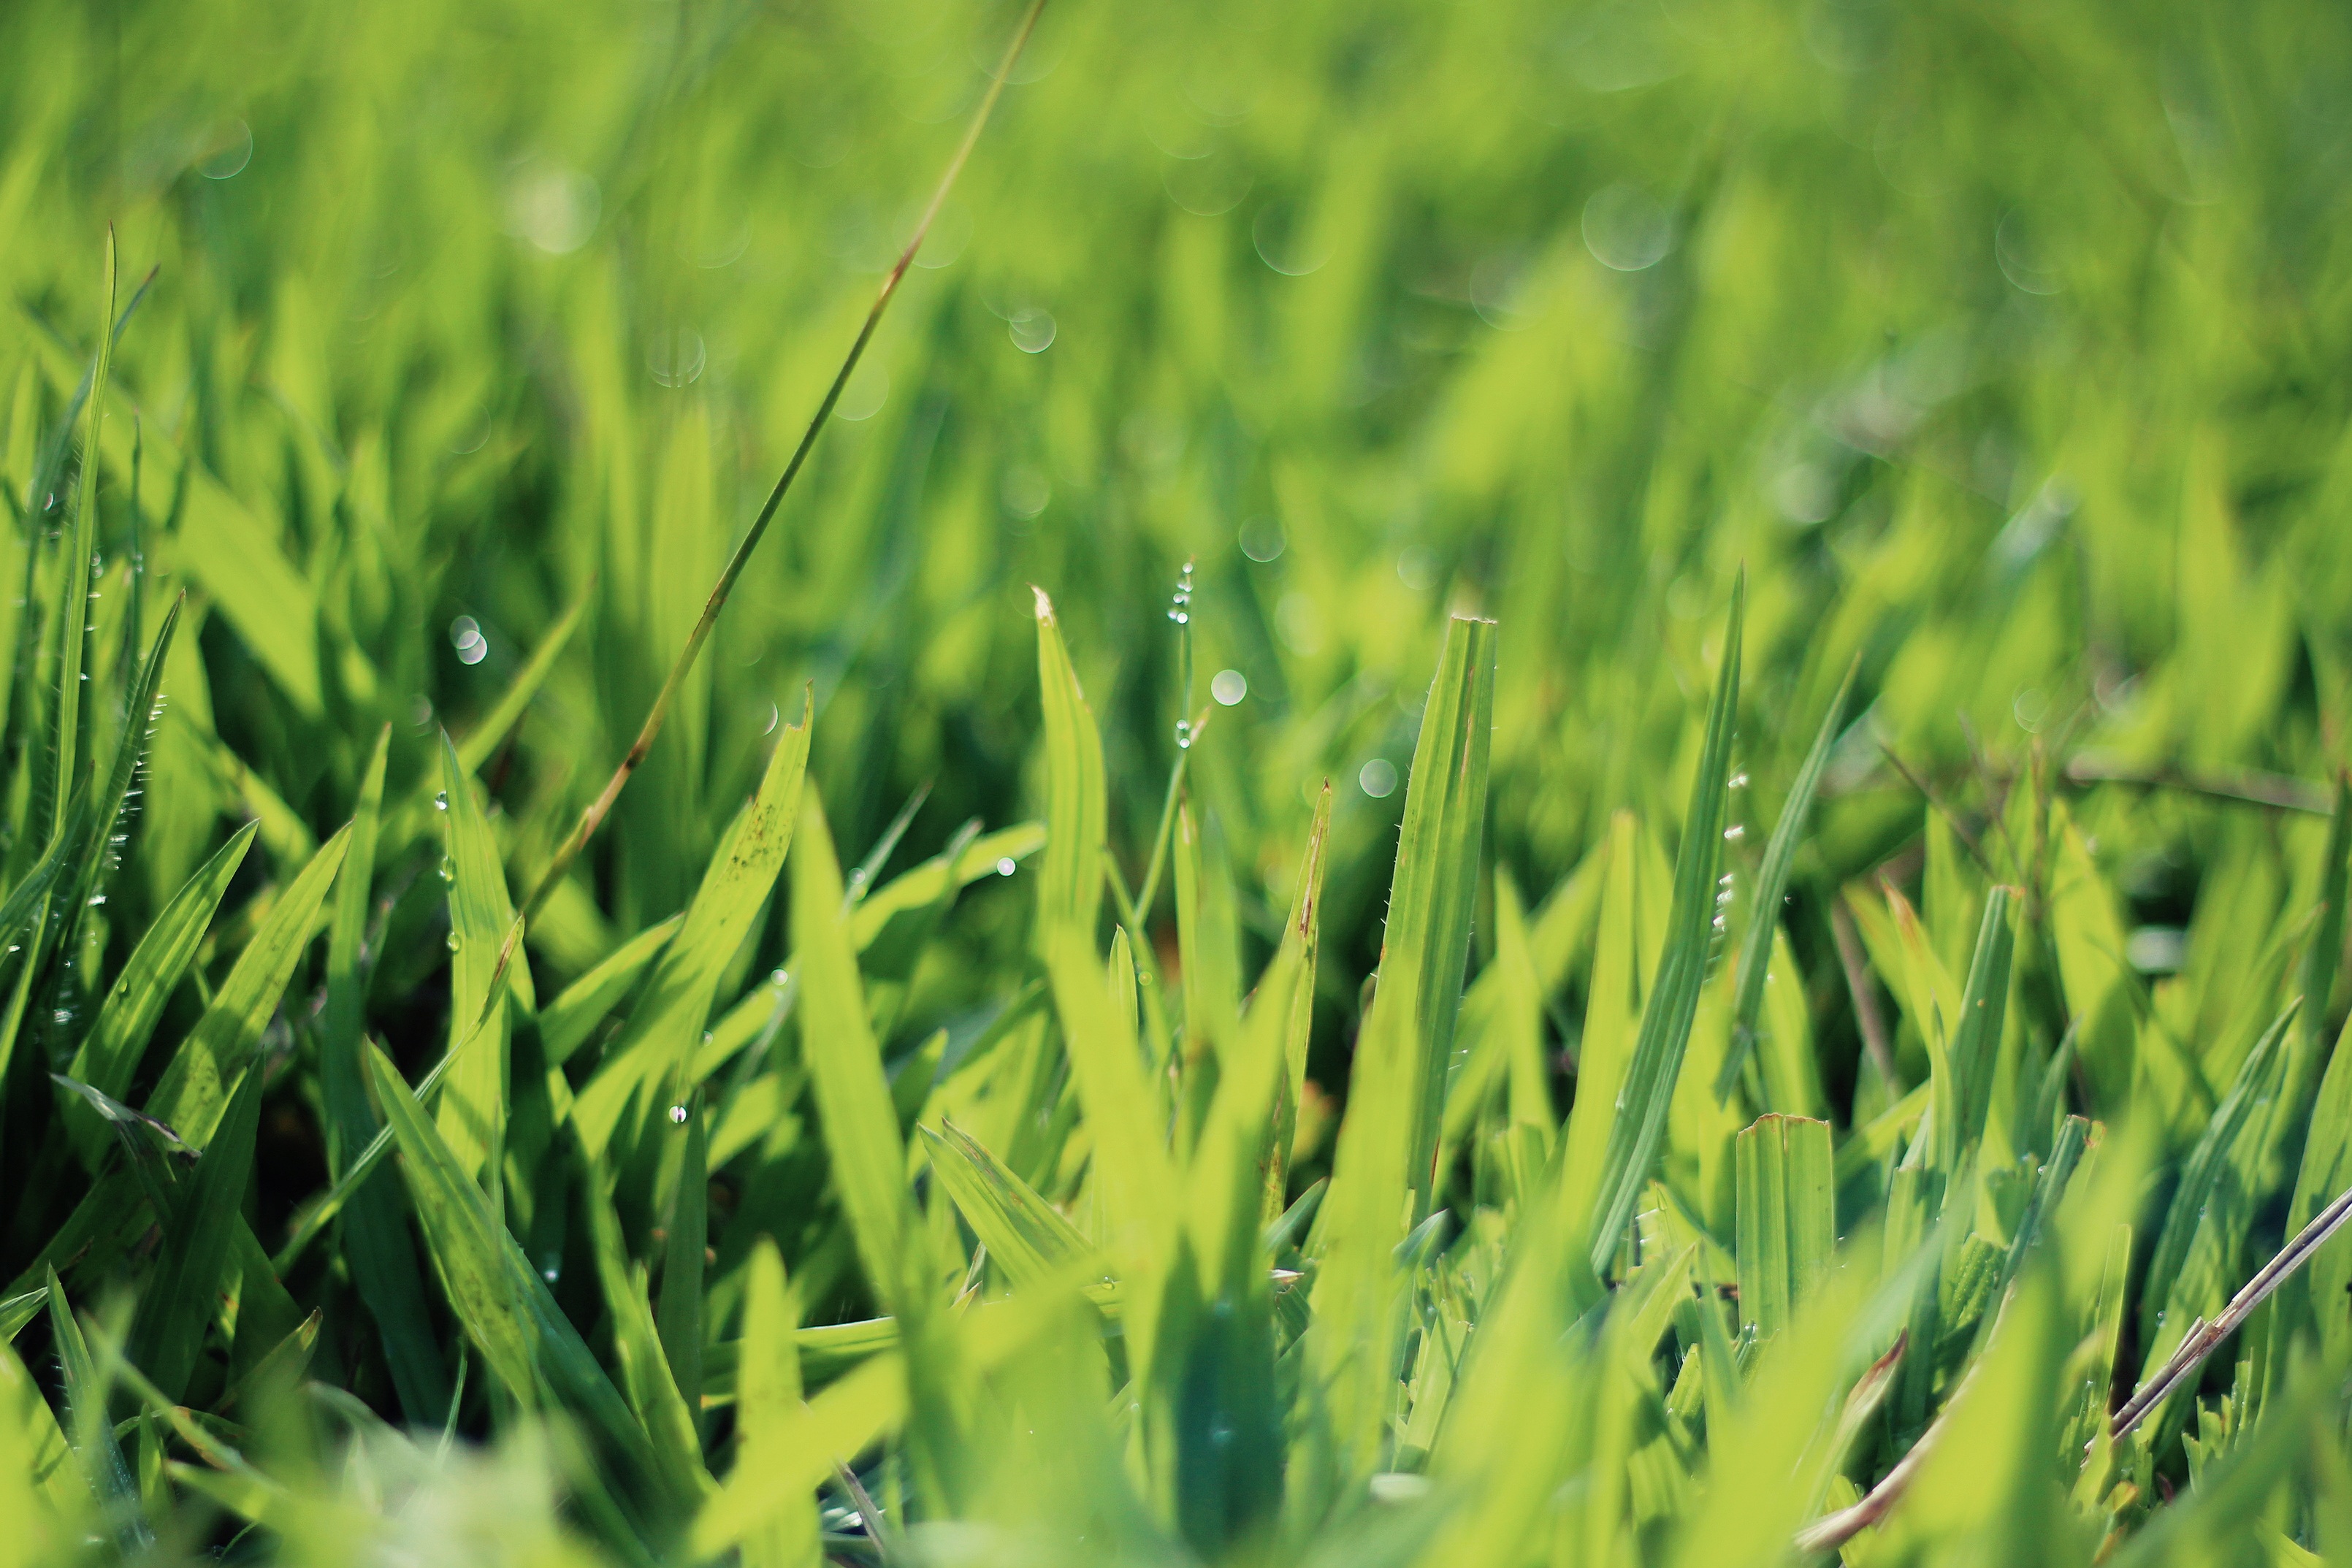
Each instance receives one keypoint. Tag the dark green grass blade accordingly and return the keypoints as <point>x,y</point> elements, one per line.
<point>182,1295</point>
<point>2170,1301</point>
<point>376,1242</point>
<point>1672,1003</point>
<point>502,1303</point>
<point>92,1430</point>
<point>1771,886</point>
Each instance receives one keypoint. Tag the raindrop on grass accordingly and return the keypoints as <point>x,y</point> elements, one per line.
<point>1229,687</point>
<point>456,941</point>
<point>1378,778</point>
<point>441,800</point>
<point>1004,868</point>
<point>678,1116</point>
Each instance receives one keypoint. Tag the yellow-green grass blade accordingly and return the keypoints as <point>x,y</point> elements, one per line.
<point>1382,1177</point>
<point>1025,1235</point>
<point>1069,883</point>
<point>191,1094</point>
<point>472,1111</point>
<point>768,1402</point>
<point>1640,1124</point>
<point>654,1395</point>
<point>92,1430</point>
<point>71,619</point>
<point>1302,939</point>
<point>565,1023</point>
<point>680,1319</point>
<point>921,887</point>
<point>868,1154</point>
<point>653,1056</point>
<point>1787,1217</point>
<point>1771,886</point>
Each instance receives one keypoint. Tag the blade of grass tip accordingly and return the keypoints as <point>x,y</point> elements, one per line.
<point>73,598</point>
<point>862,875</point>
<point>1070,881</point>
<point>1671,1006</point>
<point>140,713</point>
<point>51,464</point>
<point>92,1432</point>
<point>1771,885</point>
<point>602,806</point>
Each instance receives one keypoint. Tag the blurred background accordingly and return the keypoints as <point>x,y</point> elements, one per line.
<point>2002,343</point>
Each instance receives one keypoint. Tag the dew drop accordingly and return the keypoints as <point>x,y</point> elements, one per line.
<point>778,979</point>
<point>1734,833</point>
<point>448,869</point>
<point>456,941</point>
<point>1004,868</point>
<point>441,801</point>
<point>678,1112</point>
<point>1739,780</point>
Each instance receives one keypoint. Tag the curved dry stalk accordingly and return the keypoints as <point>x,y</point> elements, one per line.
<point>1833,1530</point>
<point>592,817</point>
<point>2203,1338</point>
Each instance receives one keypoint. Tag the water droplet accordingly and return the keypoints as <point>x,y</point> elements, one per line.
<point>779,977</point>
<point>456,941</point>
<point>448,869</point>
<point>1739,780</point>
<point>1004,868</point>
<point>548,1273</point>
<point>441,801</point>
<point>678,1112</point>
<point>1734,833</point>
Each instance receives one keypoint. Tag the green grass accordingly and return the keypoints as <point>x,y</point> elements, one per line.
<point>1510,784</point>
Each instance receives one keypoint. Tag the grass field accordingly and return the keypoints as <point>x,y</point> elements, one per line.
<point>1515,783</point>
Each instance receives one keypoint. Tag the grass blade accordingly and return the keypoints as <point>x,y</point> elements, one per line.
<point>1787,1217</point>
<point>92,1432</point>
<point>1771,886</point>
<point>192,1092</point>
<point>651,1061</point>
<point>183,1293</point>
<point>1077,813</point>
<point>1640,1126</point>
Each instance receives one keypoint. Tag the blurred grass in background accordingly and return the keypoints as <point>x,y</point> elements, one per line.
<point>2002,345</point>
